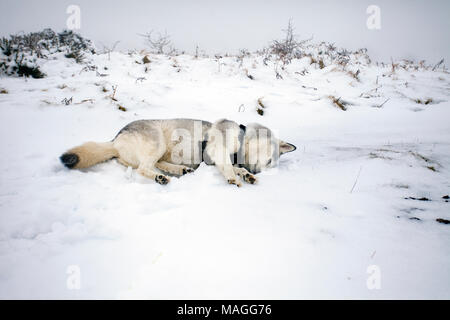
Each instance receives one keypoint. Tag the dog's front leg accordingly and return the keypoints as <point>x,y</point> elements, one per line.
<point>227,171</point>
<point>221,158</point>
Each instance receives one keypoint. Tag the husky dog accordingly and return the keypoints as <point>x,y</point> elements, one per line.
<point>178,146</point>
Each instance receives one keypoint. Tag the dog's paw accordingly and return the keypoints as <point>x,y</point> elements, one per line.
<point>235,182</point>
<point>186,170</point>
<point>161,179</point>
<point>249,178</point>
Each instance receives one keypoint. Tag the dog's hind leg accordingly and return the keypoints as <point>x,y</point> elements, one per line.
<point>171,168</point>
<point>244,174</point>
<point>146,168</point>
<point>141,150</point>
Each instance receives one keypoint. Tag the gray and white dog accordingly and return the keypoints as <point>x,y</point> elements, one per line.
<point>178,146</point>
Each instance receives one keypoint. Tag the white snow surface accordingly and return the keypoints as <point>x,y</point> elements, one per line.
<point>310,228</point>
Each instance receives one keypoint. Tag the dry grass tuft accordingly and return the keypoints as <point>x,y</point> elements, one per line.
<point>338,103</point>
<point>146,60</point>
<point>321,64</point>
<point>260,107</point>
<point>423,101</point>
<point>354,75</point>
<point>260,103</point>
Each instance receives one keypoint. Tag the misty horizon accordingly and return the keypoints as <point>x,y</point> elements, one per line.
<point>409,30</point>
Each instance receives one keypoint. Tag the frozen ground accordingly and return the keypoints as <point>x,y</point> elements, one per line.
<point>305,231</point>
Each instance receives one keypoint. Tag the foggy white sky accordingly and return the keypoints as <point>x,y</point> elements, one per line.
<point>409,28</point>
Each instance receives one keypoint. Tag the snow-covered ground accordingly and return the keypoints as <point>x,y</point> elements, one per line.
<point>311,228</point>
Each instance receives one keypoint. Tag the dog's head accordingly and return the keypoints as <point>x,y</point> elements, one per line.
<point>262,148</point>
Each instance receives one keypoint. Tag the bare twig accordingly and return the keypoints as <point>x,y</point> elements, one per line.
<point>384,103</point>
<point>287,48</point>
<point>356,180</point>
<point>158,43</point>
<point>438,64</point>
<point>98,74</point>
<point>67,101</point>
<point>110,48</point>
<point>114,93</point>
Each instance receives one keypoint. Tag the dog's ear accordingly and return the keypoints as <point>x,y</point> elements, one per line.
<point>286,147</point>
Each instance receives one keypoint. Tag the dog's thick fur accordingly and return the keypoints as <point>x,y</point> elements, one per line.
<point>177,146</point>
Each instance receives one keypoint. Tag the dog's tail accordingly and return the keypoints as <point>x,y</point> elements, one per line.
<point>88,154</point>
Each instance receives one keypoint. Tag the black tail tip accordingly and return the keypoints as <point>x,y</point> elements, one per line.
<point>70,160</point>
